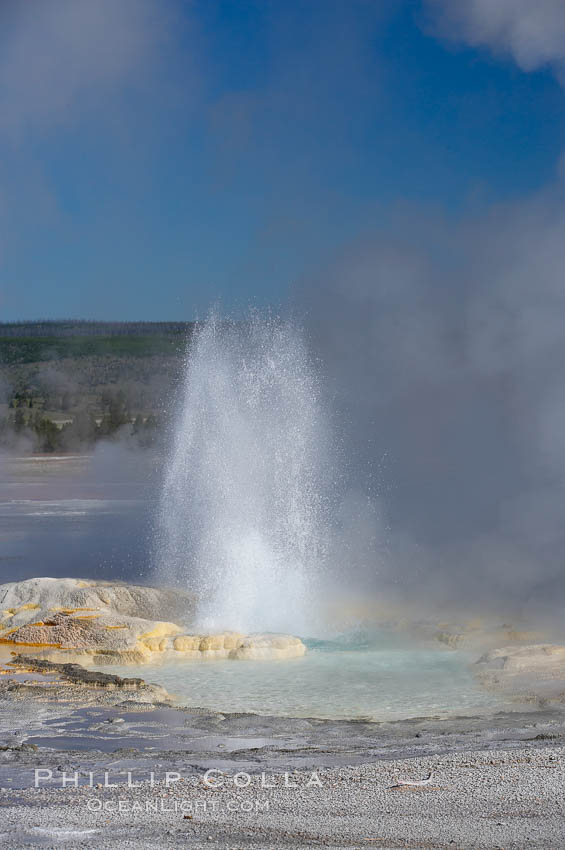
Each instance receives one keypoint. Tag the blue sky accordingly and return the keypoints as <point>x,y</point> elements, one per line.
<point>158,157</point>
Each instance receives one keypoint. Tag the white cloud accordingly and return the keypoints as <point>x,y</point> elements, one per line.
<point>56,55</point>
<point>531,31</point>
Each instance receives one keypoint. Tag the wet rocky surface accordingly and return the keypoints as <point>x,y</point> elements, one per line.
<point>95,763</point>
<point>43,722</point>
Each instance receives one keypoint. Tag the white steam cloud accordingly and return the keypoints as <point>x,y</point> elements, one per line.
<point>445,345</point>
<point>57,55</point>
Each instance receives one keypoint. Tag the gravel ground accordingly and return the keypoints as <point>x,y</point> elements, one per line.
<point>480,799</point>
<point>497,781</point>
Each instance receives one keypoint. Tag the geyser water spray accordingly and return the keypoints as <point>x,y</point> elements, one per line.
<point>241,518</point>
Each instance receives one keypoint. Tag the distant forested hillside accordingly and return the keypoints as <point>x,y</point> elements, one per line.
<point>83,327</point>
<point>32,342</point>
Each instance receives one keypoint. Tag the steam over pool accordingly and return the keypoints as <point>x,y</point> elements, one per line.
<point>241,516</point>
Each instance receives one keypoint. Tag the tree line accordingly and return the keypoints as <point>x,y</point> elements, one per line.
<point>86,327</point>
<point>29,427</point>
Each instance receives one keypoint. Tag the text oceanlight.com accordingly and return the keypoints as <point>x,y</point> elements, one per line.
<point>152,805</point>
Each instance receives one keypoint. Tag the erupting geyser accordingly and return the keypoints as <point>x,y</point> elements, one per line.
<point>241,517</point>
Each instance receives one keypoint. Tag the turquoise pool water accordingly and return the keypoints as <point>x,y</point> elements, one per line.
<point>341,679</point>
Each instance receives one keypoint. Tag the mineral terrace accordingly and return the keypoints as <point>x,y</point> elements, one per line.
<point>95,622</point>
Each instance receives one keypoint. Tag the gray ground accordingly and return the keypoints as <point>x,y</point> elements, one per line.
<point>497,782</point>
